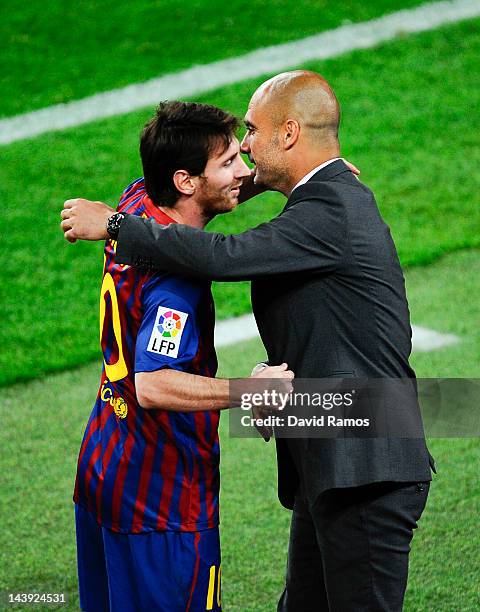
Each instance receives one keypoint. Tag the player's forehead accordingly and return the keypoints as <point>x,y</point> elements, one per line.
<point>220,153</point>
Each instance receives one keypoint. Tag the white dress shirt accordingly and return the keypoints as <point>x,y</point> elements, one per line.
<point>308,176</point>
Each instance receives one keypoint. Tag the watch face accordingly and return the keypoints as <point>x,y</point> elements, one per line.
<point>113,224</point>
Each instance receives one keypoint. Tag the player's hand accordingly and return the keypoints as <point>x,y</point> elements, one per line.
<point>352,168</point>
<point>85,220</point>
<point>279,371</point>
<point>282,384</point>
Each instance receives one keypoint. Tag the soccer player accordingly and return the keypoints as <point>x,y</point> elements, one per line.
<point>147,484</point>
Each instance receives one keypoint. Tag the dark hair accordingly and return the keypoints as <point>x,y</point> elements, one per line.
<point>182,135</point>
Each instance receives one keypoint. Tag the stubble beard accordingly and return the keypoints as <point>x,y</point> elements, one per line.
<point>216,202</point>
<point>273,177</point>
<point>273,174</point>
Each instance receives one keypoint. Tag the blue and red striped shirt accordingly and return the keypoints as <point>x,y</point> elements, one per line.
<point>143,470</point>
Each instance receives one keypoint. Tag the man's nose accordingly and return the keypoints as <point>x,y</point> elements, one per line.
<point>244,146</point>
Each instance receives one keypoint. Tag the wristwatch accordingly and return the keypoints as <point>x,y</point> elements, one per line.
<point>113,224</point>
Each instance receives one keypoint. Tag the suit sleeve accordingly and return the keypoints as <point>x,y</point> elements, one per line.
<point>307,236</point>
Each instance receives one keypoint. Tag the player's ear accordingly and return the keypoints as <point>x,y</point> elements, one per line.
<point>183,182</point>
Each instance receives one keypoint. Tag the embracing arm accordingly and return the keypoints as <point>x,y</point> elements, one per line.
<point>307,236</point>
<point>169,389</point>
<point>173,390</point>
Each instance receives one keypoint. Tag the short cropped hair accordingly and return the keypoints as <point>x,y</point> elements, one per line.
<point>181,136</point>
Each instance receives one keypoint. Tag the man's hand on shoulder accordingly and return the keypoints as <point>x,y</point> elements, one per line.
<point>85,220</point>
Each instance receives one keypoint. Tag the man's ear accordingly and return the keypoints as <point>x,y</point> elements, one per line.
<point>291,132</point>
<point>184,182</point>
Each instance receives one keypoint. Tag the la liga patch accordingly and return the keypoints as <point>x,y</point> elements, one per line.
<point>167,332</point>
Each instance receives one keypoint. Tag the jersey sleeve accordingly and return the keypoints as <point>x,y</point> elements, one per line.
<point>168,336</point>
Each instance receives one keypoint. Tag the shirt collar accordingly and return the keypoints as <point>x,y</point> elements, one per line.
<point>308,176</point>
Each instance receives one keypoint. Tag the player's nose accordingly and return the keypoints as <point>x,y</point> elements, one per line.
<point>242,170</point>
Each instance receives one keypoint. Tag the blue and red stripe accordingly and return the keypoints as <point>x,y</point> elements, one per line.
<point>152,470</point>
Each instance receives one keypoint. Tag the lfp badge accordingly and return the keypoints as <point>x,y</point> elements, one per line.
<point>167,332</point>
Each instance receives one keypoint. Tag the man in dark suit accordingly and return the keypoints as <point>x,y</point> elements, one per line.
<point>329,299</point>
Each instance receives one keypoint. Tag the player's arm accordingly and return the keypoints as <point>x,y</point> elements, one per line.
<point>167,343</point>
<point>173,390</point>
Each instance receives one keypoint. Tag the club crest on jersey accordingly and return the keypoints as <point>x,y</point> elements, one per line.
<point>167,332</point>
<point>119,405</point>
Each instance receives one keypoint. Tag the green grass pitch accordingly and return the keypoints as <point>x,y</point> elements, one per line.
<point>407,124</point>
<point>409,109</point>
<point>55,52</point>
<point>42,426</point>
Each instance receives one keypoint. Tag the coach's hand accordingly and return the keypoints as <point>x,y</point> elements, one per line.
<point>85,220</point>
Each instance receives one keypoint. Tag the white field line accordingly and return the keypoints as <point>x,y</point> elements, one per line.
<point>231,331</point>
<point>269,60</point>
<point>424,339</point>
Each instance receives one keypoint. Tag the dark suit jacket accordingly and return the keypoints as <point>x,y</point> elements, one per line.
<point>329,298</point>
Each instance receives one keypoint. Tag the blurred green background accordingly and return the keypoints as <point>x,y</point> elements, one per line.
<point>409,111</point>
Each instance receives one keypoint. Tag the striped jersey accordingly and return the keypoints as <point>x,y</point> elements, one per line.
<point>143,470</point>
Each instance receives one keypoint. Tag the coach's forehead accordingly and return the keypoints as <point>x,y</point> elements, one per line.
<point>275,94</point>
<point>263,94</point>
<point>260,105</point>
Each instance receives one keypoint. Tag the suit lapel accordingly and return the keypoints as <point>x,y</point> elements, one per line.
<point>324,174</point>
